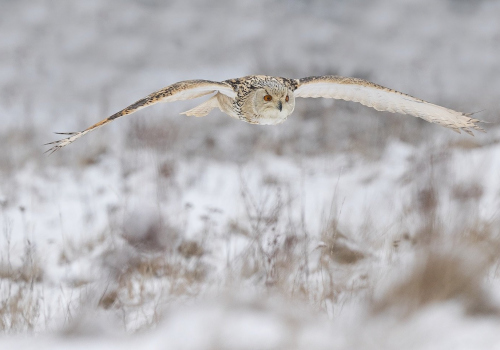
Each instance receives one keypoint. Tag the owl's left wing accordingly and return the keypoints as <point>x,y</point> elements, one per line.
<point>183,90</point>
<point>384,99</point>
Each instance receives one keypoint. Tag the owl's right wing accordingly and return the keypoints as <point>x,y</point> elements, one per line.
<point>184,90</point>
<point>384,99</point>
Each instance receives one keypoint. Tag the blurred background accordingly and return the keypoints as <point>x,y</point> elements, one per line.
<point>65,65</point>
<point>329,211</point>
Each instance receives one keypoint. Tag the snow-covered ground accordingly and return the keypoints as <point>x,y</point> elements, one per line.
<point>343,228</point>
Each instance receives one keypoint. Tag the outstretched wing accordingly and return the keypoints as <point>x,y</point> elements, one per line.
<point>384,99</point>
<point>184,90</point>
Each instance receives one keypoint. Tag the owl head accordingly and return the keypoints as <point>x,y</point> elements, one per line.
<point>273,102</point>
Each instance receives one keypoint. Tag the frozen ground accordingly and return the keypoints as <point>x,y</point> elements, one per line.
<point>343,228</point>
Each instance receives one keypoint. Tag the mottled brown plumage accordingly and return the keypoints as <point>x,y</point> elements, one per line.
<point>245,99</point>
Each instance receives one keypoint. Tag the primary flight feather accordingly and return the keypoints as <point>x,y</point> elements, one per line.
<point>267,100</point>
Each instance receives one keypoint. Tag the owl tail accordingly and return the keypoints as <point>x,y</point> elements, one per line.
<point>205,108</point>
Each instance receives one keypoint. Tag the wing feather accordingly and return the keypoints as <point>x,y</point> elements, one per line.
<point>384,99</point>
<point>184,90</point>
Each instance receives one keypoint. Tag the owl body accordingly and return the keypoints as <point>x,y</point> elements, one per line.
<point>268,100</point>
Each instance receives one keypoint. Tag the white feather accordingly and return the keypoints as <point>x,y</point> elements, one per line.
<point>384,99</point>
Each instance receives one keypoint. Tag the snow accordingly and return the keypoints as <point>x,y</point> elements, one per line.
<point>168,232</point>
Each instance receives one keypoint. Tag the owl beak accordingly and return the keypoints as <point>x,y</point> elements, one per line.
<point>280,105</point>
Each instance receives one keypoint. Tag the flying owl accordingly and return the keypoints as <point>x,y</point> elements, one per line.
<point>267,100</point>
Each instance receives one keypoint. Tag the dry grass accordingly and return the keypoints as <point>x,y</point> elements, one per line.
<point>440,275</point>
<point>143,269</point>
<point>20,298</point>
<point>28,271</point>
<point>20,310</point>
<point>139,270</point>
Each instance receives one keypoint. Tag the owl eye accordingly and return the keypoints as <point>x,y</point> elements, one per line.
<point>287,98</point>
<point>268,98</point>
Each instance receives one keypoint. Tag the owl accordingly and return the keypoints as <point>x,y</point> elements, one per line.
<point>268,100</point>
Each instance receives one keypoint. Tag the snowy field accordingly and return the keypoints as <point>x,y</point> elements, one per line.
<point>343,228</point>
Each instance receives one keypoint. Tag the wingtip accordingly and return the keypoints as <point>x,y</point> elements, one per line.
<point>63,142</point>
<point>468,131</point>
<point>471,124</point>
<point>51,150</point>
<point>472,113</point>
